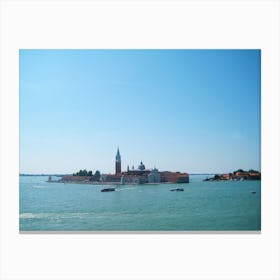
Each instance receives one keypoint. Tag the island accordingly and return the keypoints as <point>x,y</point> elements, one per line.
<point>139,175</point>
<point>238,175</point>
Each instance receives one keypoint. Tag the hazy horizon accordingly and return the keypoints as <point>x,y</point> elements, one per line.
<point>194,111</point>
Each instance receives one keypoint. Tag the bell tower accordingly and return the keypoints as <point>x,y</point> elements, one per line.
<point>118,163</point>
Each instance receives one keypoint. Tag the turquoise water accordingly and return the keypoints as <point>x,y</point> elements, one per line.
<point>202,206</point>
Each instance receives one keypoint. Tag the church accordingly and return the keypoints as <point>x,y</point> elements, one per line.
<point>141,175</point>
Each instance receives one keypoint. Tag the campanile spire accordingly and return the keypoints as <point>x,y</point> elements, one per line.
<point>118,162</point>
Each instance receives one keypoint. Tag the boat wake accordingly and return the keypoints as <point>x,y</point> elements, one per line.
<point>39,187</point>
<point>123,189</point>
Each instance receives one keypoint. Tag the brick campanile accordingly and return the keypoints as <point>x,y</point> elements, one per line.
<point>118,163</point>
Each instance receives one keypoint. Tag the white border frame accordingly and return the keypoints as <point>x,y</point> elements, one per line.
<point>139,24</point>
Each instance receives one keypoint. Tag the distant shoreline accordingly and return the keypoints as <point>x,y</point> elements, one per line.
<point>105,183</point>
<point>61,175</point>
<point>56,175</point>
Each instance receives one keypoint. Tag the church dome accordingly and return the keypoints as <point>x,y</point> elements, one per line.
<point>141,166</point>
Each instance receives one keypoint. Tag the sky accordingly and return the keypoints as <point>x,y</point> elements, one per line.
<point>195,111</point>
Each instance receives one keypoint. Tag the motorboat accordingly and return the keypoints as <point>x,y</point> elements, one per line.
<point>177,190</point>
<point>108,190</point>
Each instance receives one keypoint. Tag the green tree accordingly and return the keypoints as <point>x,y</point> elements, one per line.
<point>82,173</point>
<point>97,175</point>
<point>240,170</point>
<point>216,177</point>
<point>89,173</point>
<point>253,171</point>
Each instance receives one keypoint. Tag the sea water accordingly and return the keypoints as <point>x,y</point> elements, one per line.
<point>202,206</point>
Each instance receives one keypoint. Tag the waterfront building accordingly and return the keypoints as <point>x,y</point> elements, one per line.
<point>111,178</point>
<point>174,177</point>
<point>247,175</point>
<point>141,171</point>
<point>135,176</point>
<point>141,175</point>
<point>239,175</point>
<point>134,179</point>
<point>154,176</point>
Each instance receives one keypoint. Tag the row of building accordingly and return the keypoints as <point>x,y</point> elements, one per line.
<point>236,175</point>
<point>141,175</point>
<point>242,175</point>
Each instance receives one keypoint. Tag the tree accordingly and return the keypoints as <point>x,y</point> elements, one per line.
<point>88,173</point>
<point>82,173</point>
<point>240,170</point>
<point>97,175</point>
<point>216,177</point>
<point>253,171</point>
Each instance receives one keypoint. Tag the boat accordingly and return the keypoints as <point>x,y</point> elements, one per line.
<point>177,190</point>
<point>108,190</point>
<point>253,192</point>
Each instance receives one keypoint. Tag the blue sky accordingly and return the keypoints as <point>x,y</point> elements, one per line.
<point>193,111</point>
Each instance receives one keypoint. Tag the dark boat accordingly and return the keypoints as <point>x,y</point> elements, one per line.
<point>108,190</point>
<point>177,190</point>
<point>253,192</point>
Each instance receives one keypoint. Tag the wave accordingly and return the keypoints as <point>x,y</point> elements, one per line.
<point>39,187</point>
<point>79,215</point>
<point>53,215</point>
<point>123,189</point>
